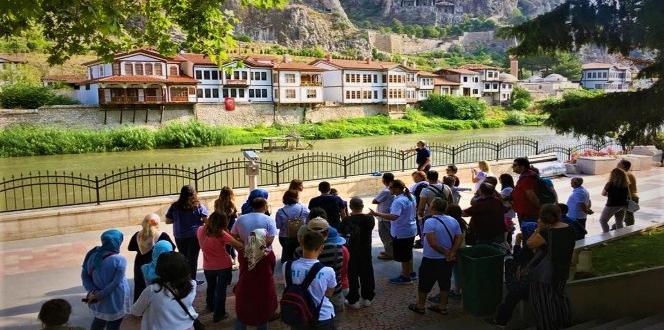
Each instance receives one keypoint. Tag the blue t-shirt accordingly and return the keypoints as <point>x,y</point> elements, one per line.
<point>444,239</point>
<point>422,154</point>
<point>186,222</point>
<point>404,226</point>
<point>247,223</point>
<point>579,195</point>
<point>292,211</point>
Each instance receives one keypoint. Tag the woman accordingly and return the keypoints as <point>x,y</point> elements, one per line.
<point>551,305</point>
<point>507,186</point>
<point>159,304</point>
<point>214,237</point>
<point>487,222</point>
<point>296,184</point>
<point>186,215</point>
<point>225,204</point>
<point>479,176</point>
<point>423,155</point>
<point>617,193</point>
<point>149,270</point>
<point>256,193</point>
<point>142,242</point>
<point>103,277</point>
<point>292,212</point>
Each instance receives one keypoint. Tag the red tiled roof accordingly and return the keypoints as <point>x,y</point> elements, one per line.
<point>478,67</point>
<point>146,50</point>
<point>457,71</point>
<point>194,58</point>
<point>12,58</point>
<point>597,66</point>
<point>361,64</point>
<point>442,81</point>
<point>146,79</point>
<point>68,78</point>
<point>426,74</point>
<point>298,67</point>
<point>265,61</point>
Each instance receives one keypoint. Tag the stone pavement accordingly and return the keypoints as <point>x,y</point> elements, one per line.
<point>36,270</point>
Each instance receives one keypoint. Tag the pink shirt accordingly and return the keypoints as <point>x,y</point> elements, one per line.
<point>215,256</point>
<point>344,267</point>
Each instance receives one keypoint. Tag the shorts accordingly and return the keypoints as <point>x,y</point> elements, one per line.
<point>403,248</point>
<point>432,271</point>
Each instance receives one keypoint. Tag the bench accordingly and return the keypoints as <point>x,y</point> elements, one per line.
<point>548,165</point>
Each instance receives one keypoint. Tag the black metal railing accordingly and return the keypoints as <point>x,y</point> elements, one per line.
<point>57,188</point>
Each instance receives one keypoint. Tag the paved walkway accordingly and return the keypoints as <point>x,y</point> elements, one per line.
<point>36,270</point>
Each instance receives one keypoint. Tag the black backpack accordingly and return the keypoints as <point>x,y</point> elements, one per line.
<point>298,308</point>
<point>545,194</point>
<point>438,192</point>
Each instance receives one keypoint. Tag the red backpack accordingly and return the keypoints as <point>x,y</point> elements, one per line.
<point>298,308</point>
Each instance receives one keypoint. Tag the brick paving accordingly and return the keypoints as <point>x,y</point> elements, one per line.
<point>35,270</point>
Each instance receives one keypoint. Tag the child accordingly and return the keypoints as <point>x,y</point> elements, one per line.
<point>54,314</point>
<point>358,227</point>
<point>344,209</point>
<point>217,264</point>
<point>452,171</point>
<point>324,283</point>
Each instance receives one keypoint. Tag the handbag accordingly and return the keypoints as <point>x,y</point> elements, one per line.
<point>632,206</point>
<point>198,325</point>
<point>542,272</point>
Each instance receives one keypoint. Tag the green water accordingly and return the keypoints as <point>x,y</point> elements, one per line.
<point>97,163</point>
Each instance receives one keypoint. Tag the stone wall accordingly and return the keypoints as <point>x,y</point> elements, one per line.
<point>212,113</point>
<point>402,44</point>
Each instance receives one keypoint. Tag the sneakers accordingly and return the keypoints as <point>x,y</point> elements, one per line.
<point>418,244</point>
<point>366,302</point>
<point>413,276</point>
<point>401,280</point>
<point>356,305</point>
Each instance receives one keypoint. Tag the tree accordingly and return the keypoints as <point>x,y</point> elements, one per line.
<point>430,31</point>
<point>631,117</point>
<point>105,27</point>
<point>563,63</point>
<point>397,26</point>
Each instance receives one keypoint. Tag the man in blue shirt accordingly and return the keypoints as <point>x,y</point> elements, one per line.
<point>578,202</point>
<point>423,158</point>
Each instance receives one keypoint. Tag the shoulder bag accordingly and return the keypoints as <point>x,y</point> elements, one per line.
<point>198,325</point>
<point>632,206</point>
<point>542,272</point>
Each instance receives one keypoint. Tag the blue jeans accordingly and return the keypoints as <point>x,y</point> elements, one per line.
<point>217,282</point>
<point>239,326</point>
<point>99,324</point>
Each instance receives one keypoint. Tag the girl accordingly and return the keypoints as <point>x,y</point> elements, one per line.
<point>479,176</point>
<point>617,193</point>
<point>225,204</point>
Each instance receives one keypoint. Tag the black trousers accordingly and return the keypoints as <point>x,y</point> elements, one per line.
<point>189,248</point>
<point>516,292</point>
<point>360,277</point>
<point>288,247</point>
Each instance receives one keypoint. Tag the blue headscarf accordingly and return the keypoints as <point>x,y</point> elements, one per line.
<point>258,192</point>
<point>527,229</point>
<point>110,244</point>
<point>150,270</point>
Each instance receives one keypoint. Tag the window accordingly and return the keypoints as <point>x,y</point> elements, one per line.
<point>224,92</point>
<point>241,92</point>
<point>465,79</point>
<point>264,93</point>
<point>264,77</point>
<point>487,86</point>
<point>129,69</point>
<point>208,93</point>
<point>604,75</point>
<point>476,79</point>
<point>347,77</point>
<point>199,93</point>
<point>290,79</point>
<point>215,93</point>
<point>475,91</point>
<point>192,91</point>
<point>274,78</point>
<point>495,86</point>
<point>101,70</point>
<point>206,75</point>
<point>348,94</point>
<point>365,79</point>
<point>76,87</point>
<point>157,70</point>
<point>384,93</point>
<point>244,75</point>
<point>375,78</point>
<point>173,71</point>
<point>233,92</point>
<point>199,74</point>
<point>311,93</point>
<point>87,87</point>
<point>228,75</point>
<point>215,75</point>
<point>290,93</point>
<point>148,69</point>
<point>375,93</point>
<point>251,93</point>
<point>116,69</point>
<point>384,80</point>
<point>276,95</point>
<point>236,75</point>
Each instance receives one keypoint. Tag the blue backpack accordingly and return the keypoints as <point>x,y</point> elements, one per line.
<point>298,308</point>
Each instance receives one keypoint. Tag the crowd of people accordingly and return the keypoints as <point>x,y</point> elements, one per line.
<point>326,255</point>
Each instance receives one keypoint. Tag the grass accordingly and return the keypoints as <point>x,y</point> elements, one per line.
<point>644,250</point>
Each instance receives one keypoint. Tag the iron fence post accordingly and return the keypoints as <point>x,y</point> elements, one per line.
<point>196,179</point>
<point>403,162</point>
<point>345,168</point>
<point>536,147</point>
<point>97,188</point>
<point>277,171</point>
<point>497,151</point>
<point>453,155</point>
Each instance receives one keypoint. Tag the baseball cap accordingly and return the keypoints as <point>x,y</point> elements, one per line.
<point>318,224</point>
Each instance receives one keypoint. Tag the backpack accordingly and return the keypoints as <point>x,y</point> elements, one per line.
<point>418,191</point>
<point>293,223</point>
<point>545,193</point>
<point>438,192</point>
<point>298,308</point>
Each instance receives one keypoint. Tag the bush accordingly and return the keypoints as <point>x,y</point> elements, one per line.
<point>30,96</point>
<point>57,99</point>
<point>454,107</point>
<point>243,38</point>
<point>515,118</point>
<point>520,104</point>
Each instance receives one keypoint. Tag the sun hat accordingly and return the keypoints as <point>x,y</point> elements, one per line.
<point>333,237</point>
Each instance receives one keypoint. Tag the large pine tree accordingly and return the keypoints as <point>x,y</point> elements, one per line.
<point>621,26</point>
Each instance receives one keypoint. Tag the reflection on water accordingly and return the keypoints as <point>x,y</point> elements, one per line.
<point>96,163</point>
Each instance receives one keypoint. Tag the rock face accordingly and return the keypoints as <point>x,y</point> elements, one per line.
<point>536,7</point>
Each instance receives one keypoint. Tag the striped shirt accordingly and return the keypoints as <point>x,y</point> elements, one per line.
<point>331,256</point>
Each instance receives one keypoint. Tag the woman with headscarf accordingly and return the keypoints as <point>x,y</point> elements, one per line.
<point>149,270</point>
<point>103,277</point>
<point>256,193</point>
<point>142,242</point>
<point>186,215</point>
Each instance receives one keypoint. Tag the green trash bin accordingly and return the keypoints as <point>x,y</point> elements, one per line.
<point>481,268</point>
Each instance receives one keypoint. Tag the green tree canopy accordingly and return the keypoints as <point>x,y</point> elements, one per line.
<point>620,26</point>
<point>563,63</point>
<point>105,27</point>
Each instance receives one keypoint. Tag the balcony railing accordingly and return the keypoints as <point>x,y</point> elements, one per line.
<point>311,83</point>
<point>237,82</point>
<point>179,98</point>
<point>154,99</point>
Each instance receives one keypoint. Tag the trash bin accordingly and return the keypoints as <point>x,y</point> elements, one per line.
<point>481,268</point>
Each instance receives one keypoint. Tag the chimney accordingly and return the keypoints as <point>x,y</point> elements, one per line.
<point>328,57</point>
<point>514,66</point>
<point>367,60</point>
<point>286,59</point>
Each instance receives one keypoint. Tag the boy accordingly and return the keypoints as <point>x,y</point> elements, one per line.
<point>452,171</point>
<point>358,227</point>
<point>323,284</point>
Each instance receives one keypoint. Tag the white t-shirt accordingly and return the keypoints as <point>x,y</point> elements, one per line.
<point>505,193</point>
<point>247,223</point>
<point>404,226</point>
<point>325,279</point>
<point>161,311</point>
<point>433,225</point>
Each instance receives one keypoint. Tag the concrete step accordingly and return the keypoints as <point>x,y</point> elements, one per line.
<point>657,326</point>
<point>614,324</point>
<point>585,325</point>
<point>643,323</point>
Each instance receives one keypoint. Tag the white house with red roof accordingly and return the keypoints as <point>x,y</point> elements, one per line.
<point>297,83</point>
<point>606,77</point>
<point>142,76</point>
<point>468,80</point>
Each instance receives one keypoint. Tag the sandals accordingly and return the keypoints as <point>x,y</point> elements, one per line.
<point>413,307</point>
<point>437,309</point>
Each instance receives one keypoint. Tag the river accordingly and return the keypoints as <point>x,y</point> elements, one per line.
<point>97,163</point>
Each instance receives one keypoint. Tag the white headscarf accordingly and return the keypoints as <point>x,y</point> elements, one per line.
<point>256,248</point>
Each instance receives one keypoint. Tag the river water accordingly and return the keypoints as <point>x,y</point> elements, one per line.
<point>97,163</point>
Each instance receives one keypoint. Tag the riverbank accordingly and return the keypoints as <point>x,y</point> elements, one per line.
<point>32,140</point>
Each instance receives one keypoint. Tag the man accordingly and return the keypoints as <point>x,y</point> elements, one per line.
<point>384,201</point>
<point>423,158</point>
<point>524,196</point>
<point>432,190</point>
<point>578,203</point>
<point>333,205</point>
<point>626,165</point>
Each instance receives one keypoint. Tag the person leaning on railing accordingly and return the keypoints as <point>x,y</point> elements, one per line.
<point>423,158</point>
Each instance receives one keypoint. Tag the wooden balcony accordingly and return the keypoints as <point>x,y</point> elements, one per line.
<point>311,83</point>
